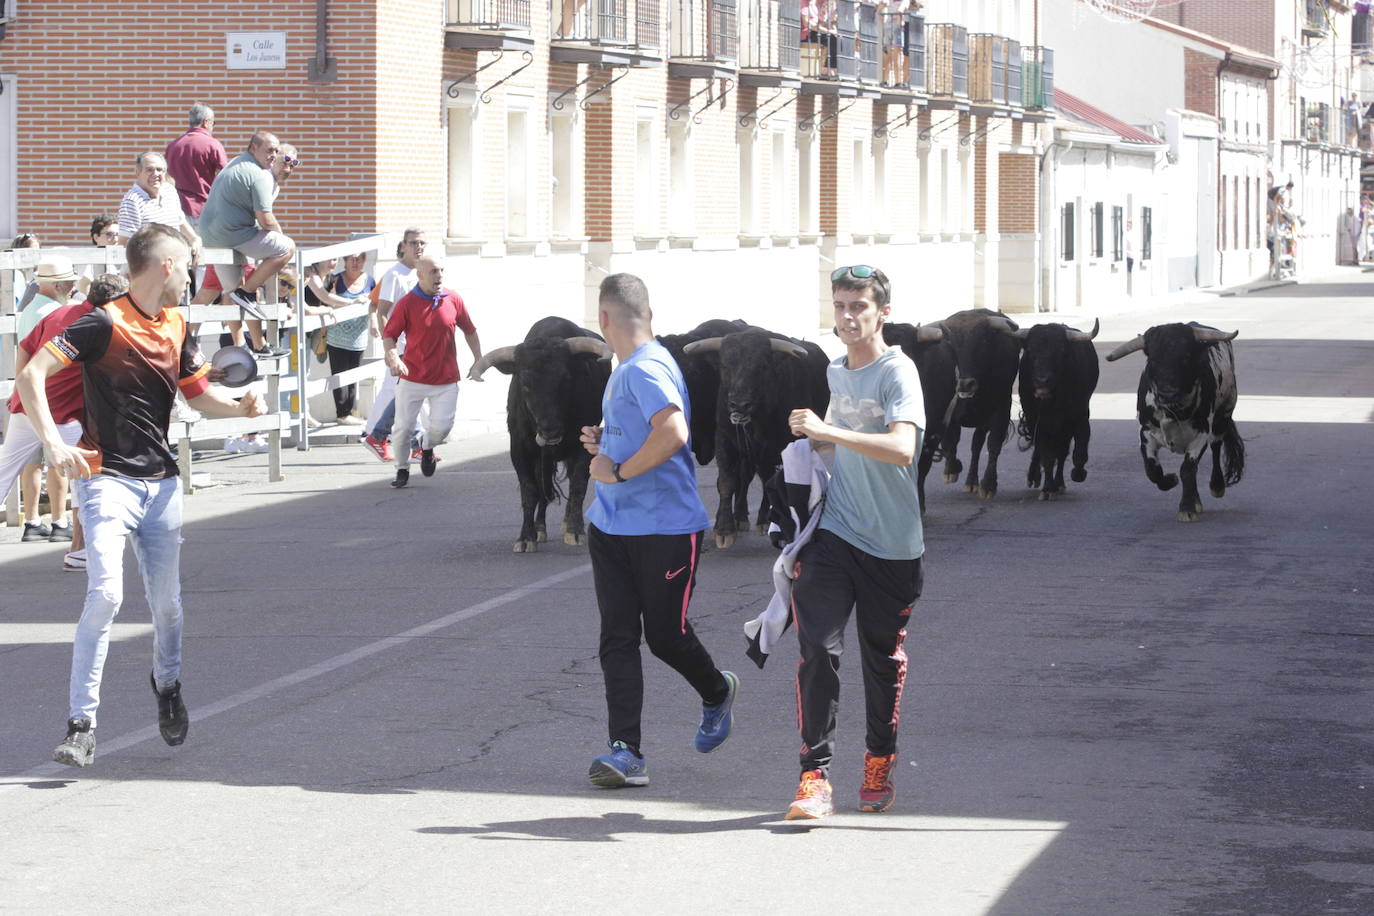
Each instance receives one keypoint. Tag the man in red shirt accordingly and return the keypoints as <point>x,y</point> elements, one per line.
<point>194,159</point>
<point>65,401</point>
<point>429,317</point>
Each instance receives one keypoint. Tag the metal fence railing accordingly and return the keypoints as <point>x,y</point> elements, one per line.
<point>489,14</point>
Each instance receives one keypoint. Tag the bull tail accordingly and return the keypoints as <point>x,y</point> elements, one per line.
<point>1232,454</point>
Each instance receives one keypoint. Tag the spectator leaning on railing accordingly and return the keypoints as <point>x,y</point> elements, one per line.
<point>153,200</point>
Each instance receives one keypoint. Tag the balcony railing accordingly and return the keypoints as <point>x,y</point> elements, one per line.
<point>947,60</point>
<point>705,30</point>
<point>1319,123</point>
<point>606,22</point>
<point>770,35</point>
<point>916,50</point>
<point>1037,78</point>
<point>1315,21</point>
<point>489,14</point>
<point>903,39</point>
<point>868,43</point>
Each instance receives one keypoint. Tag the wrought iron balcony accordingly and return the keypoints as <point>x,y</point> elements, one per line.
<point>902,39</point>
<point>489,14</point>
<point>829,50</point>
<point>1317,22</point>
<point>947,61</point>
<point>704,31</point>
<point>1319,123</point>
<point>995,70</point>
<point>605,31</point>
<point>1037,78</point>
<point>770,36</point>
<point>868,42</point>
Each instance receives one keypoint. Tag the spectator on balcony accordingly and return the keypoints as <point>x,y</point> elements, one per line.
<point>820,38</point>
<point>574,14</point>
<point>194,159</point>
<point>896,66</point>
<point>153,200</point>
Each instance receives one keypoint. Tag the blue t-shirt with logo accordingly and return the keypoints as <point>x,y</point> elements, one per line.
<point>872,504</point>
<point>665,499</point>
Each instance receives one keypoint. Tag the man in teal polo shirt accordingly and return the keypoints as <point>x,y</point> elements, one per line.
<point>644,535</point>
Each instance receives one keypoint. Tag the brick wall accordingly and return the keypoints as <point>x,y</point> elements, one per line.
<point>1018,197</point>
<point>1249,23</point>
<point>1200,82</point>
<point>95,89</point>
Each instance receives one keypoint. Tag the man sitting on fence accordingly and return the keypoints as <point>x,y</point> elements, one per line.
<point>238,215</point>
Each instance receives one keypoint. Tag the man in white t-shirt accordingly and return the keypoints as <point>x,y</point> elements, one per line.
<point>153,200</point>
<point>395,283</point>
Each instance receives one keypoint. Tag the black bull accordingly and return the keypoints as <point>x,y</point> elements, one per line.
<point>1185,401</point>
<point>935,363</point>
<point>763,378</point>
<point>1057,379</point>
<point>559,375</point>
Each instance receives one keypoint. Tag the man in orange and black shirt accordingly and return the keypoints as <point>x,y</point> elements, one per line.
<point>135,353</point>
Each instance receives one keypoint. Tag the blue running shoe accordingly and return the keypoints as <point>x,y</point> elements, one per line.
<point>716,720</point>
<point>621,767</point>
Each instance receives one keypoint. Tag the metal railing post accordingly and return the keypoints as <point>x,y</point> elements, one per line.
<point>302,351</point>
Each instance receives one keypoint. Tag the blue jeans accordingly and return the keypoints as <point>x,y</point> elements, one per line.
<point>112,508</point>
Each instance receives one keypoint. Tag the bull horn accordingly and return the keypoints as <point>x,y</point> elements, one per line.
<point>589,345</point>
<point>1075,334</point>
<point>1127,348</point>
<point>929,334</point>
<point>787,346</point>
<point>1209,335</point>
<point>705,345</point>
<point>499,355</point>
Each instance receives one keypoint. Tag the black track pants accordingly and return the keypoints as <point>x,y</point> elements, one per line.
<point>835,577</point>
<point>643,585</point>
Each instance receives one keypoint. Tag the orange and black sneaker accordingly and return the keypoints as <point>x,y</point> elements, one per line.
<point>877,792</point>
<point>813,798</point>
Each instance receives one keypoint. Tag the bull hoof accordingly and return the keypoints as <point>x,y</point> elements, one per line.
<point>951,478</point>
<point>985,493</point>
<point>523,547</point>
<point>541,534</point>
<point>724,541</point>
<point>1078,475</point>
<point>1032,481</point>
<point>1218,492</point>
<point>1185,516</point>
<point>761,529</point>
<point>1167,482</point>
<point>1048,495</point>
<point>574,540</point>
<point>970,488</point>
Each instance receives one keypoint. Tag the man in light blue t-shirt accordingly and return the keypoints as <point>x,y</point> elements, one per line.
<point>866,553</point>
<point>644,535</point>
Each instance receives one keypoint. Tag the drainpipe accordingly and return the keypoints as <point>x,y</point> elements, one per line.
<point>1221,180</point>
<point>323,68</point>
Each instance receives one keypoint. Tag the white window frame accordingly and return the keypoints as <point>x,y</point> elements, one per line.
<point>647,218</point>
<point>462,123</point>
<point>520,214</point>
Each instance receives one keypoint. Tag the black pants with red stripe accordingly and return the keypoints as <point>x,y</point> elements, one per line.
<point>835,577</point>
<point>643,585</point>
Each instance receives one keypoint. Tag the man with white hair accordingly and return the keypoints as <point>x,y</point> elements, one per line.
<point>194,159</point>
<point>152,200</point>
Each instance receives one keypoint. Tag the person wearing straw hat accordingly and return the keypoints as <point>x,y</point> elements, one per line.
<point>56,279</point>
<point>135,353</point>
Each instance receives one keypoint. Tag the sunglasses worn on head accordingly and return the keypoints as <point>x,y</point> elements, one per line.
<point>858,272</point>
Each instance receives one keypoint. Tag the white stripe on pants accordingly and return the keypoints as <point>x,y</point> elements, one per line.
<point>22,447</point>
<point>443,407</point>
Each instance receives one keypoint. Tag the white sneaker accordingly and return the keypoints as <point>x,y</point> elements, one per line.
<point>184,413</point>
<point>234,444</point>
<point>350,420</point>
<point>256,445</point>
<point>75,560</point>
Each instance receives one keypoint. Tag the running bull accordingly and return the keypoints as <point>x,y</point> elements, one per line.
<point>1185,402</point>
<point>559,375</point>
<point>1056,381</point>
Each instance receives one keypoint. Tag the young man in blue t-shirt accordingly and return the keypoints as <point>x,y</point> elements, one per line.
<point>644,535</point>
<point>866,553</point>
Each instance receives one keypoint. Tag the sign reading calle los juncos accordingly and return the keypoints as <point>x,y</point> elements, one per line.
<point>255,50</point>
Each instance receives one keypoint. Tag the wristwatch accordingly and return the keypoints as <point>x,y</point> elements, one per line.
<point>615,472</point>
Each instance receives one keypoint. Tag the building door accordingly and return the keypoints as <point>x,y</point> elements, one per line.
<point>9,207</point>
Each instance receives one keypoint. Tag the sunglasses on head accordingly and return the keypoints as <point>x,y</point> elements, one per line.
<point>858,272</point>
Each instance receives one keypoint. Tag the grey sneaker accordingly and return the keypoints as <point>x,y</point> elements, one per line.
<point>78,749</point>
<point>36,531</point>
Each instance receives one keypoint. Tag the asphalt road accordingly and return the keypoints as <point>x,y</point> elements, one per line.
<point>1107,711</point>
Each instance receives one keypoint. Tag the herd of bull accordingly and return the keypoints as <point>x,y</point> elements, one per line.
<point>743,381</point>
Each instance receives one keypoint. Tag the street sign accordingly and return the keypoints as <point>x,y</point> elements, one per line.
<point>255,50</point>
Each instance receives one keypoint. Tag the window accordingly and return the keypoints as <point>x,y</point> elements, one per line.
<point>748,193</point>
<point>1066,231</point>
<point>517,174</point>
<point>566,178</point>
<point>1098,231</point>
<point>1146,234</point>
<point>681,218</point>
<point>1118,233</point>
<point>463,166</point>
<point>780,217</point>
<point>646,177</point>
